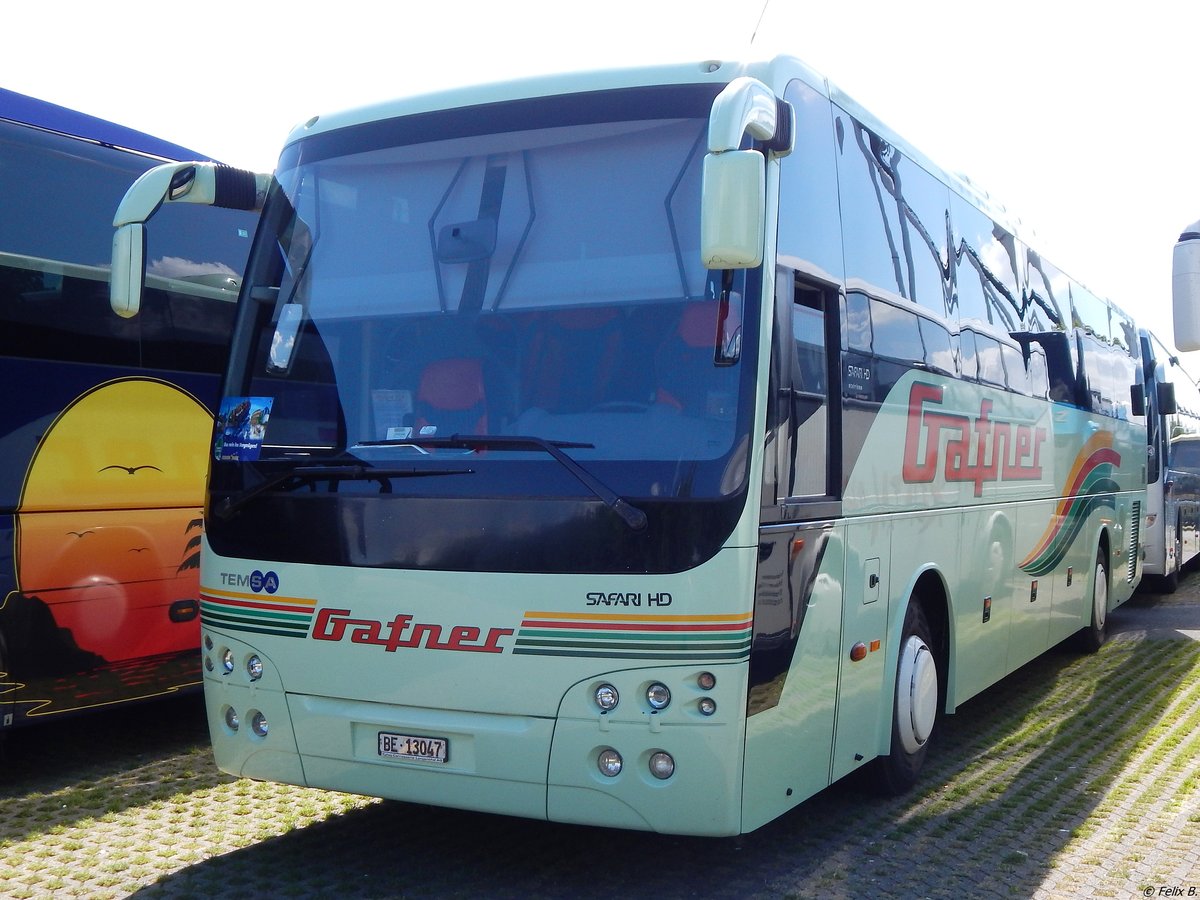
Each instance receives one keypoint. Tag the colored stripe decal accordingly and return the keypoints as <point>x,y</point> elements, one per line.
<point>1089,486</point>
<point>635,636</point>
<point>256,613</point>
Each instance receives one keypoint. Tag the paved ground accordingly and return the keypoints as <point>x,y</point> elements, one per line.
<point>1073,777</point>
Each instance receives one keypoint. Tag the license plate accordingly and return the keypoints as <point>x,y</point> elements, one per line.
<point>407,746</point>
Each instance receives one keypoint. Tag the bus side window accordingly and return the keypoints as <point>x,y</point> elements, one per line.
<point>1014,366</point>
<point>1039,379</point>
<point>969,358</point>
<point>991,367</point>
<point>939,350</point>
<point>808,453</point>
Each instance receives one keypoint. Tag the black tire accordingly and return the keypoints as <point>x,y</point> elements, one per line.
<point>1168,584</point>
<point>1092,636</point>
<point>916,706</point>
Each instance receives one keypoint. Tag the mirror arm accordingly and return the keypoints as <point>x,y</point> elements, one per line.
<point>747,106</point>
<point>208,183</point>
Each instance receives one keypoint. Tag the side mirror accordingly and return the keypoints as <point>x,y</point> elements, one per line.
<point>128,269</point>
<point>734,200</point>
<point>1166,399</point>
<point>1137,398</point>
<point>187,182</point>
<point>733,210</point>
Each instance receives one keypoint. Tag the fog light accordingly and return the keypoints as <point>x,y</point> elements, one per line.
<point>708,706</point>
<point>658,695</point>
<point>208,663</point>
<point>662,766</point>
<point>607,697</point>
<point>254,668</point>
<point>231,718</point>
<point>258,724</point>
<point>706,680</point>
<point>227,661</point>
<point>610,763</point>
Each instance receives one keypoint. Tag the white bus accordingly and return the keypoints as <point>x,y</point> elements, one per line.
<point>646,449</point>
<point>1171,532</point>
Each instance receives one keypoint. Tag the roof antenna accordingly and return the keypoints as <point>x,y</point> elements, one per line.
<point>758,24</point>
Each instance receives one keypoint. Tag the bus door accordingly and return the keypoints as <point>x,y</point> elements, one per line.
<point>798,595</point>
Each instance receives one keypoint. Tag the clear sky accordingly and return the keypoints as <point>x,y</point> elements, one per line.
<point>1082,120</point>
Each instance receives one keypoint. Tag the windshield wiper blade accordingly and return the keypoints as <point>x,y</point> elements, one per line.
<point>630,514</point>
<point>300,475</point>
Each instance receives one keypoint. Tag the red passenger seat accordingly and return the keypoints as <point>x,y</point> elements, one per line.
<point>451,399</point>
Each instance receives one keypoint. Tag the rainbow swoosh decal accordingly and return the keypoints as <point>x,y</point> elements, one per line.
<point>256,613</point>
<point>1089,486</point>
<point>634,636</point>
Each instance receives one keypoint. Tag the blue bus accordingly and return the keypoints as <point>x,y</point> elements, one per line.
<point>105,420</point>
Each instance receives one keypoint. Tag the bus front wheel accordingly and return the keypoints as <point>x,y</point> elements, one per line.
<point>1093,635</point>
<point>915,706</point>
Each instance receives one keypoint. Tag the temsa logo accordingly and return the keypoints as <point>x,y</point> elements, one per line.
<point>257,581</point>
<point>332,624</point>
<point>979,449</point>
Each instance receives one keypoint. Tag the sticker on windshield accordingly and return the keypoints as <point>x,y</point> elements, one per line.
<point>241,427</point>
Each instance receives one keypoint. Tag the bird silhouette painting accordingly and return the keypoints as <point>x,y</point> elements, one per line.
<point>105,533</point>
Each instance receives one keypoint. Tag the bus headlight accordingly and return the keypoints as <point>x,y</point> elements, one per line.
<point>607,697</point>
<point>231,719</point>
<point>258,724</point>
<point>254,668</point>
<point>610,763</point>
<point>662,766</point>
<point>708,706</point>
<point>227,660</point>
<point>658,695</point>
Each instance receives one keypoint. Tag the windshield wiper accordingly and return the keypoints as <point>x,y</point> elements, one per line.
<point>294,478</point>
<point>630,514</point>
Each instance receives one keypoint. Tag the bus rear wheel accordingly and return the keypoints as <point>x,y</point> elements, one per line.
<point>915,707</point>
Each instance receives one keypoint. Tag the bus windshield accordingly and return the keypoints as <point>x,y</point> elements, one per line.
<point>518,271</point>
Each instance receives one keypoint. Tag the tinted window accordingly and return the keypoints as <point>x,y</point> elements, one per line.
<point>893,218</point>
<point>1014,366</point>
<point>985,258</point>
<point>968,355</point>
<point>809,223</point>
<point>1047,295</point>
<point>939,350</point>
<point>59,196</point>
<point>1039,381</point>
<point>896,333</point>
<point>991,365</point>
<point>856,322</point>
<point>1091,313</point>
<point>1185,454</point>
<point>46,315</point>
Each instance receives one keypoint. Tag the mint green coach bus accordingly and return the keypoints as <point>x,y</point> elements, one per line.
<point>646,448</point>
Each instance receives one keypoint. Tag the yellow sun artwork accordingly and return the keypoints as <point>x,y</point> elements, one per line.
<point>109,519</point>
